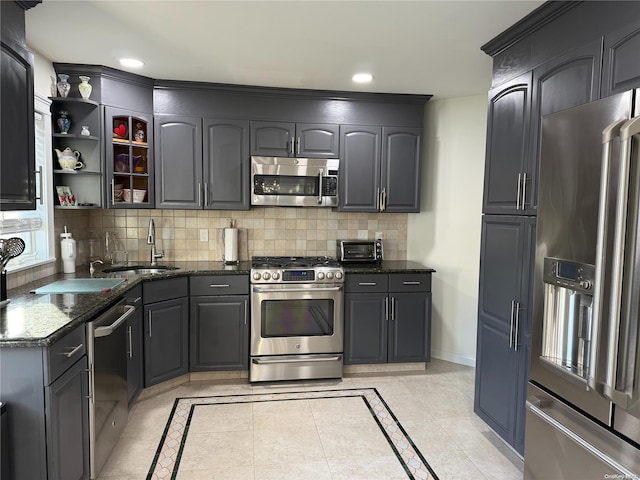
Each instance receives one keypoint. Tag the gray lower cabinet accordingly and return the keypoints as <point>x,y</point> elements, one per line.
<point>288,139</point>
<point>387,318</point>
<point>219,324</point>
<point>503,337</point>
<point>166,329</point>
<point>46,390</point>
<point>380,169</point>
<point>202,163</point>
<point>135,346</point>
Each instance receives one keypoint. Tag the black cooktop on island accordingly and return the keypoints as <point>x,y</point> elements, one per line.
<point>293,262</point>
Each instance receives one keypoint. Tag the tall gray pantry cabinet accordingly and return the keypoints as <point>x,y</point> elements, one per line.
<point>550,61</point>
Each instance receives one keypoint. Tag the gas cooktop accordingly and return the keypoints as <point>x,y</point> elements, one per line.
<point>293,262</point>
<point>306,270</point>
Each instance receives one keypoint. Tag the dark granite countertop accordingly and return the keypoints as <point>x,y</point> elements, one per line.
<point>32,320</point>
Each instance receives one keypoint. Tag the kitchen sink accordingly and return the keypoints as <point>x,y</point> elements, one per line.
<point>138,269</point>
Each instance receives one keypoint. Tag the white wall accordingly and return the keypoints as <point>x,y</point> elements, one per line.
<point>446,234</point>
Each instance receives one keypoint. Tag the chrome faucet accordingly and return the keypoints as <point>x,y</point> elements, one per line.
<point>92,269</point>
<point>151,240</point>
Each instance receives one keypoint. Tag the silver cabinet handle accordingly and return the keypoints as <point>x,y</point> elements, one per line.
<point>367,284</point>
<point>517,331</point>
<point>386,308</point>
<point>149,323</point>
<point>133,301</point>
<point>206,194</point>
<point>199,194</point>
<point>320,174</point>
<point>73,351</point>
<point>518,196</point>
<point>393,308</point>
<point>298,146</point>
<point>383,202</point>
<point>378,199</point>
<point>617,342</point>
<point>113,191</point>
<point>129,334</point>
<point>292,142</point>
<point>222,285</point>
<point>40,197</point>
<point>246,311</point>
<point>513,305</point>
<point>524,190</point>
<point>608,135</point>
<point>411,283</point>
<point>534,409</point>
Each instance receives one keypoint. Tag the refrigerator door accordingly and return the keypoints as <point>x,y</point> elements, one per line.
<point>567,230</point>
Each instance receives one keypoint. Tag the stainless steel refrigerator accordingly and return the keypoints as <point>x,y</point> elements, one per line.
<point>583,399</point>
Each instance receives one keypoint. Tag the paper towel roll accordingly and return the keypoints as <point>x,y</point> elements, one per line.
<point>230,245</point>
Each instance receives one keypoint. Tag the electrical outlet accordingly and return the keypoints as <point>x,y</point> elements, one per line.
<point>379,235</point>
<point>204,235</point>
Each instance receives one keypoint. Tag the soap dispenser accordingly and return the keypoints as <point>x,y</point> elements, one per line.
<point>68,252</point>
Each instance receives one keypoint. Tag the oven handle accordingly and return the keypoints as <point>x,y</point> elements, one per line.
<point>296,290</point>
<point>109,329</point>
<point>259,361</point>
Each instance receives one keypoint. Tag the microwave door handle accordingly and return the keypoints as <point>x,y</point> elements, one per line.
<point>608,135</point>
<point>320,174</point>
<point>617,339</point>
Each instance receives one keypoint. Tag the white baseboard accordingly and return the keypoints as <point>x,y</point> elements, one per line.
<point>454,357</point>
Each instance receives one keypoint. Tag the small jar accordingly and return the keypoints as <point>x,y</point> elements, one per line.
<point>139,133</point>
<point>85,131</point>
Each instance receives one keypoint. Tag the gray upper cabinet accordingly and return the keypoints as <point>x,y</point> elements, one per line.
<point>287,139</point>
<point>380,169</point>
<point>507,155</point>
<point>17,138</point>
<point>621,67</point>
<point>196,170</point>
<point>178,162</point>
<point>226,164</point>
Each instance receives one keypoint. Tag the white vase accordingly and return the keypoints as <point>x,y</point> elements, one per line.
<point>84,87</point>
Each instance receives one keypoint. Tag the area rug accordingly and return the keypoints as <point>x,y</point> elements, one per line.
<point>166,462</point>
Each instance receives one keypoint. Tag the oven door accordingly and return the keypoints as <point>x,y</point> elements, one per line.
<point>296,319</point>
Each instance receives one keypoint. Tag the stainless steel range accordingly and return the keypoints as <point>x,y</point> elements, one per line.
<point>296,318</point>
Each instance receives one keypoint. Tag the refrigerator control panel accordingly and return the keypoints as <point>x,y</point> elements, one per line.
<point>572,275</point>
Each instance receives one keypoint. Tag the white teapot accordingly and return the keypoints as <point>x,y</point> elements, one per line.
<point>69,159</point>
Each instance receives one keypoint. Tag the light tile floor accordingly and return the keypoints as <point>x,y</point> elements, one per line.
<point>434,406</point>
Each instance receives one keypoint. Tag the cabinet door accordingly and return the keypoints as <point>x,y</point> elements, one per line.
<point>400,176</point>
<point>166,340</point>
<point>409,327</point>
<point>129,161</point>
<point>67,424</point>
<point>226,164</point>
<point>179,162</point>
<point>315,140</point>
<point>621,67</point>
<point>365,328</point>
<point>360,161</point>
<point>567,81</point>
<point>272,139</point>
<point>219,338</point>
<point>507,150</point>
<point>17,137</point>
<point>497,361</point>
<point>134,355</point>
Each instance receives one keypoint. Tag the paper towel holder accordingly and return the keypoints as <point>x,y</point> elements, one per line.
<point>230,256</point>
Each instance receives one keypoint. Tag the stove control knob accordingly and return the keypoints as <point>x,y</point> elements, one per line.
<point>320,275</point>
<point>275,275</point>
<point>329,275</point>
<point>266,275</point>
<point>257,276</point>
<point>338,275</point>
<point>586,284</point>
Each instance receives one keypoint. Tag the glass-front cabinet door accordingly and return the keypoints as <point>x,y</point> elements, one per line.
<point>129,159</point>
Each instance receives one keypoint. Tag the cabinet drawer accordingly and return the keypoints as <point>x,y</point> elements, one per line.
<point>219,285</point>
<point>410,282</point>
<point>64,353</point>
<point>357,282</point>
<point>168,289</point>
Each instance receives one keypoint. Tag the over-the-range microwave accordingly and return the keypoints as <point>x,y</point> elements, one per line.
<point>294,182</point>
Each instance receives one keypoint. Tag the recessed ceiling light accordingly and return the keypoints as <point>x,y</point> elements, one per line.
<point>131,62</point>
<point>362,77</point>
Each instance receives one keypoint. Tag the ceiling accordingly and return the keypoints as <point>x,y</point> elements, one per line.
<point>415,47</point>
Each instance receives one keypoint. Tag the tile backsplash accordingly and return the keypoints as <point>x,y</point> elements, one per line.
<point>269,231</point>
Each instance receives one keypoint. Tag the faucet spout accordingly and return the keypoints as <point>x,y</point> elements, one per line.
<point>151,240</point>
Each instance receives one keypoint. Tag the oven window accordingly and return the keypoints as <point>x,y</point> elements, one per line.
<point>285,185</point>
<point>297,318</point>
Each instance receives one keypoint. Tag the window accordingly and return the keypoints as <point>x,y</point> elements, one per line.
<point>35,227</point>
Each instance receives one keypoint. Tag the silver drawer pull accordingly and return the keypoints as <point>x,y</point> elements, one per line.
<point>367,284</point>
<point>219,286</point>
<point>73,351</point>
<point>411,283</point>
<point>134,300</point>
